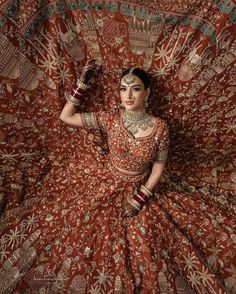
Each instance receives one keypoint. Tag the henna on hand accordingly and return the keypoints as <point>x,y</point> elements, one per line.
<point>90,70</point>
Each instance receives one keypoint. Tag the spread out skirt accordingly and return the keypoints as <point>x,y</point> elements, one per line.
<point>74,239</point>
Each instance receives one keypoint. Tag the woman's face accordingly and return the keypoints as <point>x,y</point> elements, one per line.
<point>132,93</point>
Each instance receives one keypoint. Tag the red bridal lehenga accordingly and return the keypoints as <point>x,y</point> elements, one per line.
<point>79,242</point>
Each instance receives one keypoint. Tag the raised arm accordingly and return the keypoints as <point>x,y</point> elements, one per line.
<point>69,112</point>
<point>70,116</point>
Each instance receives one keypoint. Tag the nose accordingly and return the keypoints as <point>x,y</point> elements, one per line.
<point>130,96</point>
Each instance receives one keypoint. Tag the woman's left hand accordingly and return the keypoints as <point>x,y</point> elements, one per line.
<point>90,70</point>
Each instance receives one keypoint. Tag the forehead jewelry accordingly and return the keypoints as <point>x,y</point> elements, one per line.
<point>129,79</point>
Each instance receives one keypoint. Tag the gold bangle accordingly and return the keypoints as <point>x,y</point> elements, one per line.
<point>138,208</point>
<point>136,203</point>
<point>146,191</point>
<point>82,85</point>
<point>72,100</point>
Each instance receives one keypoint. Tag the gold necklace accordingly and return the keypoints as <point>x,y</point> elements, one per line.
<point>134,121</point>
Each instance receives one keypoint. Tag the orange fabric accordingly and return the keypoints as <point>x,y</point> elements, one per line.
<point>61,227</point>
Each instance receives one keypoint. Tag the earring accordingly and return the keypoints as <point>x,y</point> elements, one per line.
<point>146,101</point>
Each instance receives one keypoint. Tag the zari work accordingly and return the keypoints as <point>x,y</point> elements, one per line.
<point>126,151</point>
<point>79,239</point>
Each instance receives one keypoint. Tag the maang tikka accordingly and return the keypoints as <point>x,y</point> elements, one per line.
<point>130,77</point>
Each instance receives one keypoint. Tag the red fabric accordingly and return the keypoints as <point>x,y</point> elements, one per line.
<point>185,239</point>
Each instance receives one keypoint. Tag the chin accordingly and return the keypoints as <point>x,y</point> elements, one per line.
<point>129,108</point>
<point>133,108</point>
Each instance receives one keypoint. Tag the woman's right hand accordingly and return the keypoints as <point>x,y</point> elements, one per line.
<point>90,70</point>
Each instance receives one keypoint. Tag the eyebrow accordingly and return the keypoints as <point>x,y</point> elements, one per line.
<point>131,86</point>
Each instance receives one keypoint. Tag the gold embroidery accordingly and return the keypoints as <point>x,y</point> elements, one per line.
<point>126,152</point>
<point>72,99</point>
<point>161,156</point>
<point>163,146</point>
<point>89,120</point>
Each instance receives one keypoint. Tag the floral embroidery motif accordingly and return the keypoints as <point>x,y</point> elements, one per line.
<point>88,120</point>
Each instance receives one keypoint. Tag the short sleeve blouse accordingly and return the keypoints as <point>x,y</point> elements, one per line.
<point>126,151</point>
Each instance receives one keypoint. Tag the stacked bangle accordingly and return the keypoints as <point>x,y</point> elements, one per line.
<point>146,191</point>
<point>72,100</point>
<point>140,198</point>
<point>82,86</point>
<point>135,204</point>
<point>78,92</point>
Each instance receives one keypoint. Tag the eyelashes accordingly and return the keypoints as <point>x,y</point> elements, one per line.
<point>133,89</point>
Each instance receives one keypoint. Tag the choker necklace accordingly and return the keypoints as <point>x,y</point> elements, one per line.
<point>134,121</point>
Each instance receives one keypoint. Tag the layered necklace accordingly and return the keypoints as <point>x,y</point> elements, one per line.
<point>135,121</point>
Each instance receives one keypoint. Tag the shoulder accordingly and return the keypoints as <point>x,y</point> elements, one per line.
<point>162,130</point>
<point>161,123</point>
<point>105,118</point>
<point>109,114</point>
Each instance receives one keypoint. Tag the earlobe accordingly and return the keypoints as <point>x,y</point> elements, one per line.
<point>146,98</point>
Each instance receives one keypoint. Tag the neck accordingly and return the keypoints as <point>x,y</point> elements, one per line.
<point>136,112</point>
<point>133,116</point>
<point>135,120</point>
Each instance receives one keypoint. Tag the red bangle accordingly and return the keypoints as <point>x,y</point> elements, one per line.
<point>138,200</point>
<point>76,96</point>
<point>78,93</point>
<point>140,197</point>
<point>144,196</point>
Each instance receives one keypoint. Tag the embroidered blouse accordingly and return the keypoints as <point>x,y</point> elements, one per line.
<point>126,151</point>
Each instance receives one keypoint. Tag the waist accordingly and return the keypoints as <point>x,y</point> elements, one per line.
<point>128,172</point>
<point>134,178</point>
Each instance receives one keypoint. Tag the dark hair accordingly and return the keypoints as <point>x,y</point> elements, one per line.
<point>139,73</point>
